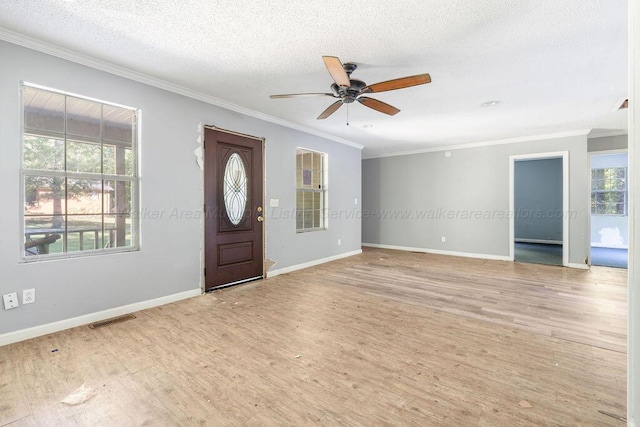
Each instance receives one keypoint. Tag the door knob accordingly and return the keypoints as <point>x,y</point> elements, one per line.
<point>260,218</point>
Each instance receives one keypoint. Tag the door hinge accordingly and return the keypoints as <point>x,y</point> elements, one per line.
<point>205,272</point>
<point>205,208</point>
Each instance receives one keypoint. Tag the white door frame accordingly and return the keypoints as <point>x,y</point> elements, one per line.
<point>564,155</point>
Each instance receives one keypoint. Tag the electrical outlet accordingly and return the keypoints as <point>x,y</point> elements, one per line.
<point>443,239</point>
<point>10,300</point>
<point>28,296</point>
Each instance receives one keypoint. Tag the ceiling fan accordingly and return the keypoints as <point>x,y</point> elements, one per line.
<point>349,90</point>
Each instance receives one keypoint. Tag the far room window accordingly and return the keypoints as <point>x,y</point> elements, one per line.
<point>79,175</point>
<point>311,194</point>
<point>609,191</point>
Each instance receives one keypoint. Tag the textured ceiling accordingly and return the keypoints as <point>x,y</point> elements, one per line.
<point>555,66</point>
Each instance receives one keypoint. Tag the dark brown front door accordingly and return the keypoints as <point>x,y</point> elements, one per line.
<point>233,192</point>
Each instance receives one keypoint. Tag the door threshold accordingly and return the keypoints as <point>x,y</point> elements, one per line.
<point>238,282</point>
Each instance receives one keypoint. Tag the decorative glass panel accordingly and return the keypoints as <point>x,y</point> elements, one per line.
<point>235,188</point>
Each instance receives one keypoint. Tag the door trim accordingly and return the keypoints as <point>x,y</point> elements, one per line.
<point>203,283</point>
<point>564,155</point>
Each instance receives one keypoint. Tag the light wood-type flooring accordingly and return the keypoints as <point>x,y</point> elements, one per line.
<point>382,338</point>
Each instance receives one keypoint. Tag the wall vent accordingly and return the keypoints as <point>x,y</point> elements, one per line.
<point>111,321</point>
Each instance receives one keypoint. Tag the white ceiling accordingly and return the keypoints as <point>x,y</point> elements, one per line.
<point>555,66</point>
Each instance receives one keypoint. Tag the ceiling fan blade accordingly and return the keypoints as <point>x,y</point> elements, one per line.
<point>338,74</point>
<point>329,111</point>
<point>383,107</point>
<point>400,83</point>
<point>299,95</point>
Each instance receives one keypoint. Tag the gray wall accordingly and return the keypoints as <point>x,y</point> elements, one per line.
<point>169,261</point>
<point>538,200</point>
<point>618,142</point>
<point>413,200</point>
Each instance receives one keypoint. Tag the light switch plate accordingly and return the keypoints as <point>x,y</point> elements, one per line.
<point>10,300</point>
<point>274,203</point>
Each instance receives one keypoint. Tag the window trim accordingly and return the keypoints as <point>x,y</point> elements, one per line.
<point>135,179</point>
<point>324,191</point>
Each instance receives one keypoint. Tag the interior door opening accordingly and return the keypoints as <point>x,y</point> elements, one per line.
<point>539,223</point>
<point>609,220</point>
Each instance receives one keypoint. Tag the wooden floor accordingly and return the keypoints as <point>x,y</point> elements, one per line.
<point>383,338</point>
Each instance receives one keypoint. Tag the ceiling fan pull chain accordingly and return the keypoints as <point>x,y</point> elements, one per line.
<point>347,114</point>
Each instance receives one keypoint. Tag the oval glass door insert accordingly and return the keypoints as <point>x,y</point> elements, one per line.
<point>235,188</point>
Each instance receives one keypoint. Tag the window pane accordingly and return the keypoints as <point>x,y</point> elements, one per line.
<point>84,196</point>
<point>317,197</point>
<point>43,110</point>
<point>317,162</point>
<point>307,161</point>
<point>118,125</point>
<point>44,195</point>
<point>317,181</point>
<point>117,231</point>
<point>316,218</point>
<point>299,220</point>
<point>128,162</point>
<point>299,199</point>
<point>308,218</point>
<point>108,159</point>
<point>43,234</point>
<point>84,118</point>
<point>84,157</point>
<point>117,197</point>
<point>43,153</point>
<point>84,232</point>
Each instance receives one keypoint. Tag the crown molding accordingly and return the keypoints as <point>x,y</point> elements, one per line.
<point>594,134</point>
<point>580,132</point>
<point>98,64</point>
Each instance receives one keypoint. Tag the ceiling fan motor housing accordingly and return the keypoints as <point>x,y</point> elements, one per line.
<point>349,94</point>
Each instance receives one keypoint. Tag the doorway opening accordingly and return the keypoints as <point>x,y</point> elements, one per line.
<point>539,203</point>
<point>609,209</point>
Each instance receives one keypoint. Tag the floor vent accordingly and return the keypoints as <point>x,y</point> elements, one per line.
<point>111,321</point>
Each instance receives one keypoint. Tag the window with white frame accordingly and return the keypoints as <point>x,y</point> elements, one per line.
<point>79,174</point>
<point>609,191</point>
<point>311,190</point>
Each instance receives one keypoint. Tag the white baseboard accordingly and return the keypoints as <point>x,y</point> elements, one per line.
<point>36,331</point>
<point>311,263</point>
<point>439,252</point>
<point>599,245</point>
<point>578,265</point>
<point>545,242</point>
